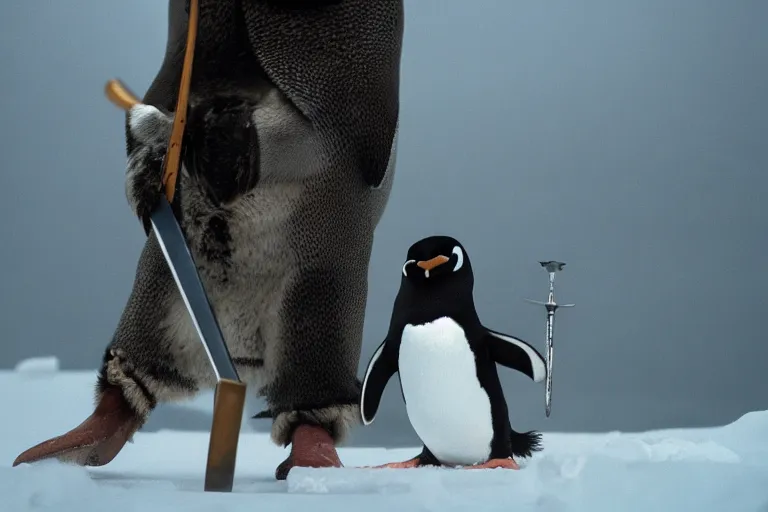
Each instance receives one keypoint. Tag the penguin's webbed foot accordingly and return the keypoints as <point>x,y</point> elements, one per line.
<point>417,462</point>
<point>96,441</point>
<point>406,464</point>
<point>425,458</point>
<point>495,464</point>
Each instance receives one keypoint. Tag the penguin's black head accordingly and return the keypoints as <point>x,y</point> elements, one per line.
<point>437,260</point>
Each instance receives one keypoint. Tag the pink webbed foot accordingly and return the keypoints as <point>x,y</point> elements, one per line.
<point>495,464</point>
<point>410,463</point>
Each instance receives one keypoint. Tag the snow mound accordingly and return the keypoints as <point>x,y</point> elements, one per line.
<point>43,365</point>
<point>669,449</point>
<point>592,483</point>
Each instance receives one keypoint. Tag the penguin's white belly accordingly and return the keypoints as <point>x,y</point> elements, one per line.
<point>446,406</point>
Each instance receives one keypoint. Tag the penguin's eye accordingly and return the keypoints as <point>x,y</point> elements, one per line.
<point>459,258</point>
<point>405,272</point>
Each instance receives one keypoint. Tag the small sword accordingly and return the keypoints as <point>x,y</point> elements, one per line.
<point>552,306</point>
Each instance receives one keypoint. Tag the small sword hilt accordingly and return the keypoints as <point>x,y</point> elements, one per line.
<point>552,267</point>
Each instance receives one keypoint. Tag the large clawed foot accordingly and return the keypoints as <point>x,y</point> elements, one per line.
<point>494,464</point>
<point>96,441</point>
<point>311,447</point>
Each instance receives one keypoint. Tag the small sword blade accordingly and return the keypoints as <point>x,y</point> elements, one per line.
<point>550,353</point>
<point>549,384</point>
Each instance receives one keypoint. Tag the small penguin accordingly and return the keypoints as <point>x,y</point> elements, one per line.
<point>446,363</point>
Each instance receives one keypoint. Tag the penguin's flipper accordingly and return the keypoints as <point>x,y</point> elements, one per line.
<point>380,369</point>
<point>516,354</point>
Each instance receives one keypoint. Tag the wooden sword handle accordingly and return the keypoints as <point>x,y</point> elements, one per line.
<point>118,94</point>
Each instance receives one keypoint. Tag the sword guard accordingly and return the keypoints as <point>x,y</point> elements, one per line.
<point>552,266</point>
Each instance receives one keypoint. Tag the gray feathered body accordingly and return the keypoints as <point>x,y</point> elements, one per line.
<point>288,165</point>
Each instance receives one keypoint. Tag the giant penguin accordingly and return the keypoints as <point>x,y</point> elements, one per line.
<point>289,161</point>
<point>446,363</point>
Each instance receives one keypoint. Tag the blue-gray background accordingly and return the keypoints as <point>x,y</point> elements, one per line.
<point>625,138</point>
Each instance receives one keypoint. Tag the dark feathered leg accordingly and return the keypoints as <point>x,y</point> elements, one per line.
<point>315,394</point>
<point>311,447</point>
<point>312,435</point>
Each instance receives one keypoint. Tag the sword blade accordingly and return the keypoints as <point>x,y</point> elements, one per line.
<point>184,271</point>
<point>550,353</point>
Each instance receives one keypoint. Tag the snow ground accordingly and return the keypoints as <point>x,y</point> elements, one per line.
<point>718,469</point>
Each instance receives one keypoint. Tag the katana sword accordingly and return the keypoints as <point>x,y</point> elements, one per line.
<point>552,267</point>
<point>229,400</point>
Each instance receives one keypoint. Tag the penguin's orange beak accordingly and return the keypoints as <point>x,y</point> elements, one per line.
<point>434,262</point>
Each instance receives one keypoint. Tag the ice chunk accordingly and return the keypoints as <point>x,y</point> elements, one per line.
<point>48,364</point>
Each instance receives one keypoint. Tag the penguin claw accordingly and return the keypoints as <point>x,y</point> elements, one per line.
<point>96,441</point>
<point>311,447</point>
<point>495,464</point>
